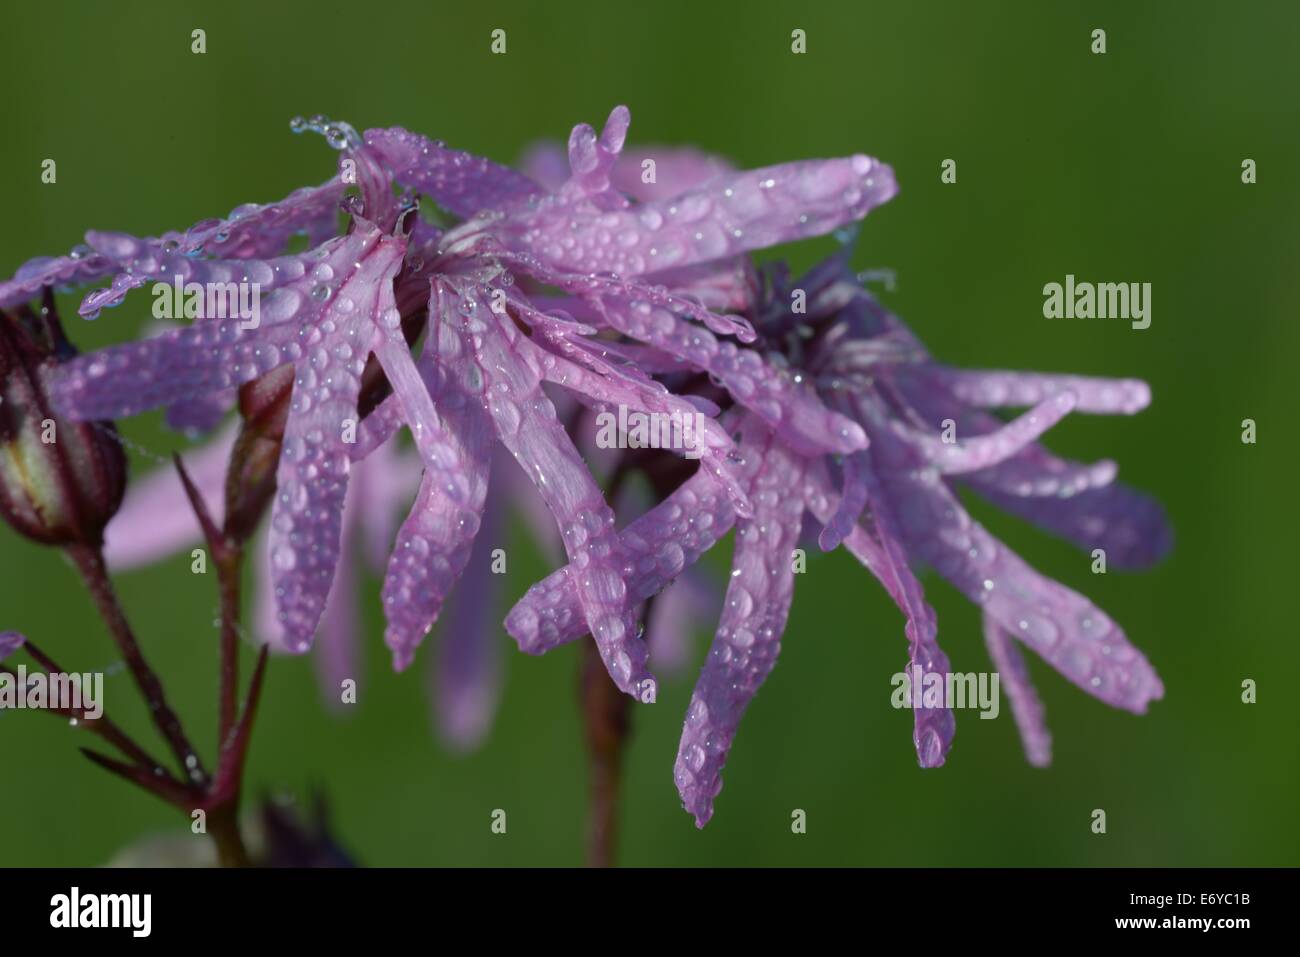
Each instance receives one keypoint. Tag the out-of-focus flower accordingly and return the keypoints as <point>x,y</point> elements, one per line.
<point>277,833</point>
<point>60,480</point>
<point>897,506</point>
<point>10,642</point>
<point>156,518</point>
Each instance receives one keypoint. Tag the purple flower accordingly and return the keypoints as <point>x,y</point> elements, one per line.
<point>612,288</point>
<point>897,507</point>
<point>486,354</point>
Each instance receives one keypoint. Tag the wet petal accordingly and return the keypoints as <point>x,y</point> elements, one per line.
<point>526,424</point>
<point>251,231</point>
<point>730,214</point>
<point>81,268</point>
<point>748,638</point>
<point>592,157</point>
<point>660,545</point>
<point>701,436</point>
<point>880,550</point>
<point>997,389</point>
<point>853,499</point>
<point>1130,526</point>
<point>1080,502</point>
<point>980,451</point>
<point>676,170</point>
<point>183,364</point>
<point>460,183</point>
<point>312,476</point>
<point>1064,628</point>
<point>784,402</point>
<point>1025,706</point>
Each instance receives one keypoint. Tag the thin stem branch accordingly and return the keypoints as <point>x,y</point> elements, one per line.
<point>103,726</point>
<point>232,733</point>
<point>89,561</point>
<point>163,786</point>
<point>228,556</point>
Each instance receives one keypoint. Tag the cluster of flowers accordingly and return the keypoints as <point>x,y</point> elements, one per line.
<point>617,280</point>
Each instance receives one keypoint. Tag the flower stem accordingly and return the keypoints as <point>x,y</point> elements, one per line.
<point>233,731</point>
<point>223,828</point>
<point>102,726</point>
<point>229,566</point>
<point>89,561</point>
<point>606,715</point>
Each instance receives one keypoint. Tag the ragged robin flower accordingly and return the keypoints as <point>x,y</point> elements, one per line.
<point>893,505</point>
<point>485,348</point>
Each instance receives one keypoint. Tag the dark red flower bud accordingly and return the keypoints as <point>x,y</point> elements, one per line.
<point>60,481</point>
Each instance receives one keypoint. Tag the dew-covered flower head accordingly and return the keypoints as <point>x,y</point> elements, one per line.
<point>585,280</point>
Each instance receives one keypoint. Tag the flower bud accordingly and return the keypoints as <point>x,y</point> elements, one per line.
<point>60,481</point>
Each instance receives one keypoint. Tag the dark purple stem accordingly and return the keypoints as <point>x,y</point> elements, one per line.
<point>606,716</point>
<point>228,575</point>
<point>89,561</point>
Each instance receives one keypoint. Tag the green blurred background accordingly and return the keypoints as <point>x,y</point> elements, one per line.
<point>1119,167</point>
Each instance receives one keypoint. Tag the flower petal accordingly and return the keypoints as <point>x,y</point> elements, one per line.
<point>882,553</point>
<point>730,214</point>
<point>466,674</point>
<point>461,183</point>
<point>600,289</point>
<point>723,285</point>
<point>676,170</point>
<point>1130,526</point>
<point>454,440</point>
<point>156,519</point>
<point>749,634</point>
<point>783,402</point>
<point>195,361</point>
<point>1025,706</point>
<point>145,262</point>
<point>432,548</point>
<point>853,499</point>
<point>707,440</point>
<point>969,453</point>
<point>215,355</point>
<point>251,231</point>
<point>82,267</point>
<point>306,517</point>
<point>526,424</point>
<point>200,414</point>
<point>10,641</point>
<point>1072,635</point>
<point>1079,502</point>
<point>312,476</point>
<point>592,158</point>
<point>659,546</point>
<point>998,389</point>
